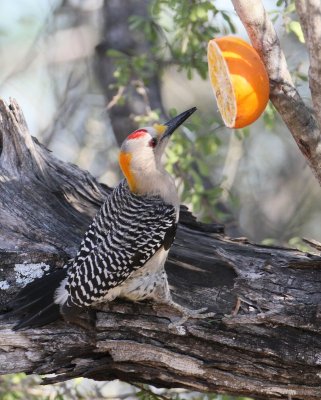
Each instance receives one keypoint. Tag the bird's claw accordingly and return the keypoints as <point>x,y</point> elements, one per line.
<point>191,314</point>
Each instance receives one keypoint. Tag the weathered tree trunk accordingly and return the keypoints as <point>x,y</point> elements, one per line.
<point>264,340</point>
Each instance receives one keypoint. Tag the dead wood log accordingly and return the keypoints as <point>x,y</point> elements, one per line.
<point>263,342</point>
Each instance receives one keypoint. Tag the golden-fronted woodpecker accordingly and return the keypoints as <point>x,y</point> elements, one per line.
<point>123,252</point>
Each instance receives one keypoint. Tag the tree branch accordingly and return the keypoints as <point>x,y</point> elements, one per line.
<point>310,17</point>
<point>264,340</point>
<point>284,96</point>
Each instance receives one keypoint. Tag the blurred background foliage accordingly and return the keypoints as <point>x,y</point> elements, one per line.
<point>22,387</point>
<point>88,72</point>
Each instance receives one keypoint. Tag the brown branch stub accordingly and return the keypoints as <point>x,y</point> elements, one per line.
<point>284,96</point>
<point>270,348</point>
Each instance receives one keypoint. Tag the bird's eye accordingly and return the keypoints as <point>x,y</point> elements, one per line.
<point>153,142</point>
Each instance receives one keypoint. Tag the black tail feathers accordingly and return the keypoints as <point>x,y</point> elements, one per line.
<point>34,304</point>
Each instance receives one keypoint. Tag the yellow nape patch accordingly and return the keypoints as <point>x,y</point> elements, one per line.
<point>124,162</point>
<point>160,129</point>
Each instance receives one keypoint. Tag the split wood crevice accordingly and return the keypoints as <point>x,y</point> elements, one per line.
<point>264,340</point>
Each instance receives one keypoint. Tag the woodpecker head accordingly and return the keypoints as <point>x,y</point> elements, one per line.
<point>141,153</point>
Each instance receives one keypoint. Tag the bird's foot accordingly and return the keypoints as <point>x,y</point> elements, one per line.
<point>83,317</point>
<point>189,314</point>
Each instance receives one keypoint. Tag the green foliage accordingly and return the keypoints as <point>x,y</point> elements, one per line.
<point>295,27</point>
<point>146,393</point>
<point>191,158</point>
<point>297,243</point>
<point>178,32</point>
<point>131,67</point>
<point>270,117</point>
<point>18,386</point>
<point>291,24</point>
<point>185,30</point>
<point>22,387</point>
<point>28,387</point>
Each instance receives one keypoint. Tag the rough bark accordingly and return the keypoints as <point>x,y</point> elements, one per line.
<point>264,340</point>
<point>284,96</point>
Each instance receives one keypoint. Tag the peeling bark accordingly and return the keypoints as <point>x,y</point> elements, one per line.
<point>264,340</point>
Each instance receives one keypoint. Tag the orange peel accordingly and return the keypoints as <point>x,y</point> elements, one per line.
<point>239,80</point>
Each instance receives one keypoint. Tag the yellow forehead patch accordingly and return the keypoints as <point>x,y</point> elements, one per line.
<point>160,129</point>
<point>124,162</point>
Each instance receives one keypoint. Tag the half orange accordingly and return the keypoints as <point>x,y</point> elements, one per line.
<point>239,80</point>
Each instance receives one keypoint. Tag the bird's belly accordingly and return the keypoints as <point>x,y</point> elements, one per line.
<point>148,282</point>
<point>141,288</point>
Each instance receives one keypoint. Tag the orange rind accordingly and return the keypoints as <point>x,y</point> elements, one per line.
<point>239,80</point>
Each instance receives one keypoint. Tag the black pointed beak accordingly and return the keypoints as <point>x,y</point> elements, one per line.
<point>175,122</point>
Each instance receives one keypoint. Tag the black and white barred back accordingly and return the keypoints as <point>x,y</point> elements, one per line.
<point>125,234</point>
<point>127,231</point>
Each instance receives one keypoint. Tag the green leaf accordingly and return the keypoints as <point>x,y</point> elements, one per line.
<point>199,12</point>
<point>114,53</point>
<point>268,242</point>
<point>136,22</point>
<point>203,167</point>
<point>295,27</point>
<point>290,8</point>
<point>302,76</point>
<point>229,22</point>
